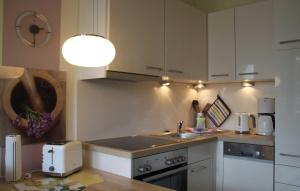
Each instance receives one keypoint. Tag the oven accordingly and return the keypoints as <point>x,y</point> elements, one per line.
<point>167,169</point>
<point>173,178</point>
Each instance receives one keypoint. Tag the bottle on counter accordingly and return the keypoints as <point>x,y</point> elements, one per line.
<point>200,122</point>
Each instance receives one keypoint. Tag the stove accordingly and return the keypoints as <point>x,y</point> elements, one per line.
<point>132,143</point>
<point>167,169</point>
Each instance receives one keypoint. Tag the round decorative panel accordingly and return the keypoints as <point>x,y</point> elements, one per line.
<point>33,29</point>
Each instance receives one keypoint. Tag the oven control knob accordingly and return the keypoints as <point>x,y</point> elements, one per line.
<point>169,162</point>
<point>182,158</point>
<point>148,168</point>
<point>141,169</point>
<point>177,159</point>
<point>257,154</point>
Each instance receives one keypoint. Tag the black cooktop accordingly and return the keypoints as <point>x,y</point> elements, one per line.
<point>132,143</point>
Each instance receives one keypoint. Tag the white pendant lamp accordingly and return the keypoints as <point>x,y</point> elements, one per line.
<point>88,50</point>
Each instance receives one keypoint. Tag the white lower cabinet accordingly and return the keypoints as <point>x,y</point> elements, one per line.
<point>289,175</point>
<point>247,174</point>
<point>286,187</point>
<point>200,176</point>
<point>201,167</point>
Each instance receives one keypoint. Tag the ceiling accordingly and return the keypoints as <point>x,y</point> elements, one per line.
<point>217,5</point>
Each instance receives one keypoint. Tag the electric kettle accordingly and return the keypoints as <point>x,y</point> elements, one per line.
<point>265,124</point>
<point>244,123</point>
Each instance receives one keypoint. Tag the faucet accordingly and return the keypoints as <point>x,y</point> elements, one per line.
<point>179,126</point>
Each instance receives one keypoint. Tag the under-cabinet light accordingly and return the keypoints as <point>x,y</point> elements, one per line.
<point>248,84</point>
<point>199,85</point>
<point>165,81</point>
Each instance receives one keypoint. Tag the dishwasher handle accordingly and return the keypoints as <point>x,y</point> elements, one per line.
<point>246,154</point>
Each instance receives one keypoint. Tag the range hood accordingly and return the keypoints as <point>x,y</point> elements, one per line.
<point>97,74</point>
<point>115,75</point>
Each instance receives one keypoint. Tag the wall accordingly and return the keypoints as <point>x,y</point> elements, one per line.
<point>15,53</point>
<point>69,9</point>
<point>239,99</point>
<point>113,108</point>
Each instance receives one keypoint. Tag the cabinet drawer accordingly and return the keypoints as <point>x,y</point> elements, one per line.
<point>200,176</point>
<point>200,152</point>
<point>286,187</point>
<point>287,175</point>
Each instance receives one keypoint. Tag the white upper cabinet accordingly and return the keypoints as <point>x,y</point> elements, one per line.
<point>254,41</point>
<point>286,24</point>
<point>137,31</point>
<point>93,17</point>
<point>155,38</point>
<point>221,46</point>
<point>185,41</point>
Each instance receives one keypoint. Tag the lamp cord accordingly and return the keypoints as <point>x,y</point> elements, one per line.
<point>78,17</point>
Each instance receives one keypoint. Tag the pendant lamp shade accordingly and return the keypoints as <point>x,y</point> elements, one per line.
<point>88,50</point>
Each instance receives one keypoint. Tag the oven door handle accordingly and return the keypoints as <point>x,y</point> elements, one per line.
<point>158,176</point>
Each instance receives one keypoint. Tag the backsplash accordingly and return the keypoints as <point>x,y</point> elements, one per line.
<point>114,108</point>
<point>238,98</point>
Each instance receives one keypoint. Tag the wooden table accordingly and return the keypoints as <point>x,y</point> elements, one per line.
<point>111,183</point>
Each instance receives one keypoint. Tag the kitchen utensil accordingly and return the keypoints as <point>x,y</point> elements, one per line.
<point>196,107</point>
<point>244,123</point>
<point>62,158</point>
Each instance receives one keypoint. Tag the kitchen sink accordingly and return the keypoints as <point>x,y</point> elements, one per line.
<point>190,135</point>
<point>185,135</point>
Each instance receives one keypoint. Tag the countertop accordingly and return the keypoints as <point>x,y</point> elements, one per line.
<point>229,136</point>
<point>111,183</point>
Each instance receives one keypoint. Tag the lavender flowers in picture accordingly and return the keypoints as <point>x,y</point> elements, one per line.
<point>33,105</point>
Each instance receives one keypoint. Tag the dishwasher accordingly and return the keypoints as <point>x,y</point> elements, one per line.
<point>248,167</point>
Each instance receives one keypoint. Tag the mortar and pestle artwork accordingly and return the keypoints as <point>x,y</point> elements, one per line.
<point>33,102</point>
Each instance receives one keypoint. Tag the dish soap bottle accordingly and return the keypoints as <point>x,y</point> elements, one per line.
<point>200,122</point>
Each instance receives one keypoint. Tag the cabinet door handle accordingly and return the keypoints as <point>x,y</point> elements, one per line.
<point>219,75</point>
<point>248,73</point>
<point>175,71</point>
<point>154,68</point>
<point>289,155</point>
<point>197,169</point>
<point>289,41</point>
